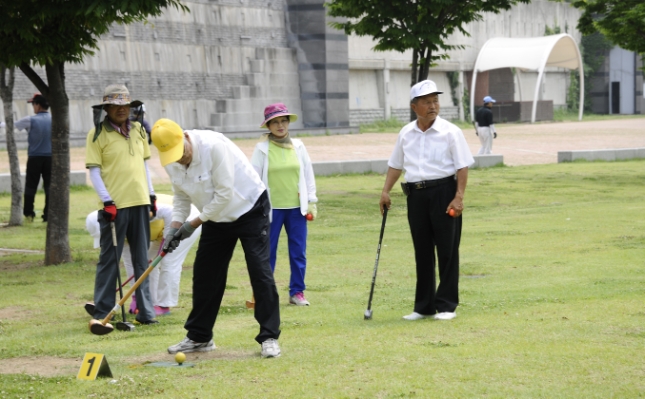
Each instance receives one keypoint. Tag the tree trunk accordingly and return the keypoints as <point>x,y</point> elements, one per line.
<point>413,78</point>
<point>6,92</point>
<point>424,64</point>
<point>57,248</point>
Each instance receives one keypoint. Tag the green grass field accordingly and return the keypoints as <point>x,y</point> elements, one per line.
<point>552,289</point>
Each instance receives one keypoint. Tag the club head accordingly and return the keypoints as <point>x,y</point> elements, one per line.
<point>89,308</point>
<point>97,328</point>
<point>124,326</point>
<point>368,314</point>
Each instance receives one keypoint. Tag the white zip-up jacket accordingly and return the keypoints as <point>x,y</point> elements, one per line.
<point>306,181</point>
<point>220,180</point>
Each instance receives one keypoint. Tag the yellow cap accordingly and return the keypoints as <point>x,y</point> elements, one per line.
<point>168,137</point>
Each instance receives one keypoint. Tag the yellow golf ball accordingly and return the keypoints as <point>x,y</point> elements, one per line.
<point>180,357</point>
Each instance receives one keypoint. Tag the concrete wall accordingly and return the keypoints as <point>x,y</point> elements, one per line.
<point>217,66</point>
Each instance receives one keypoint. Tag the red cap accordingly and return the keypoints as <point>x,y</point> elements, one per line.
<point>31,100</point>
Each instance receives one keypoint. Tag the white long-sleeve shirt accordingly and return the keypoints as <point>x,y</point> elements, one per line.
<point>219,181</point>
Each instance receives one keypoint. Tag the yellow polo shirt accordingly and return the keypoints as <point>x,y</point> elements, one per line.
<point>122,163</point>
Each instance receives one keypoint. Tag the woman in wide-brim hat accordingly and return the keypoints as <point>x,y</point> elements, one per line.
<point>285,168</point>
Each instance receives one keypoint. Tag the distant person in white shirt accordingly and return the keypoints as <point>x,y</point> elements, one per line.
<point>211,172</point>
<point>436,157</point>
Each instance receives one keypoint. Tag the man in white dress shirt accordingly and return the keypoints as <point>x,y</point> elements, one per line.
<point>211,172</point>
<point>436,157</point>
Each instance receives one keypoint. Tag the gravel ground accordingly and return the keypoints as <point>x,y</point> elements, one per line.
<point>520,144</point>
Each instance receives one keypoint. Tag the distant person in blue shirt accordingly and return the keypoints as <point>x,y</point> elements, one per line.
<point>39,153</point>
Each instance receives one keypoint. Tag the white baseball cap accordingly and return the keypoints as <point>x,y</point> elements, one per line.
<point>424,88</point>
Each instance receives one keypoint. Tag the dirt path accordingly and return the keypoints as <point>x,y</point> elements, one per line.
<point>520,144</point>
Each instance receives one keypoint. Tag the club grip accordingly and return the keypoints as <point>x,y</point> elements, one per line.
<point>113,233</point>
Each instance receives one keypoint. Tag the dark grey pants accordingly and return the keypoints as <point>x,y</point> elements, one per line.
<point>134,224</point>
<point>210,271</point>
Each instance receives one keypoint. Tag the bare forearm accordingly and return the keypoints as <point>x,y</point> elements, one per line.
<point>391,179</point>
<point>462,179</point>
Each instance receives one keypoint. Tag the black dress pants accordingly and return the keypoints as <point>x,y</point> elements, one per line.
<point>432,228</point>
<point>216,246</point>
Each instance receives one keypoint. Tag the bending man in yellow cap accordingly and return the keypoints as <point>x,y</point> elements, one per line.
<point>209,171</point>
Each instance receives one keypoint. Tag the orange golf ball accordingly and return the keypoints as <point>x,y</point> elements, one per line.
<point>451,212</point>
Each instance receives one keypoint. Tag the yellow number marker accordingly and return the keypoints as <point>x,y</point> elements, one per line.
<point>94,365</point>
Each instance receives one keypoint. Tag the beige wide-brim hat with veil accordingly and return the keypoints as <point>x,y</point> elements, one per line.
<point>117,95</point>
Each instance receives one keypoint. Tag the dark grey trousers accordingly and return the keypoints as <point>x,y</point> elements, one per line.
<point>134,224</point>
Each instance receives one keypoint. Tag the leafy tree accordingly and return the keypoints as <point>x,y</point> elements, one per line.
<point>51,33</point>
<point>7,79</point>
<point>420,25</point>
<point>621,21</point>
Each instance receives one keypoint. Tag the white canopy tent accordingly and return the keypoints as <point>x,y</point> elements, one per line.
<point>529,54</point>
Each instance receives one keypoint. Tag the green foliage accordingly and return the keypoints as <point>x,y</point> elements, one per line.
<point>421,26</point>
<point>621,21</point>
<point>466,104</point>
<point>382,126</point>
<point>52,31</point>
<point>548,31</point>
<point>594,48</point>
<point>453,80</point>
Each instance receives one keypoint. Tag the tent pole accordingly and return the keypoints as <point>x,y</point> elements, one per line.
<point>537,93</point>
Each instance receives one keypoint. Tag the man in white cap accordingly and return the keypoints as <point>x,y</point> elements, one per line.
<point>485,127</point>
<point>211,172</point>
<point>436,157</point>
<point>116,154</point>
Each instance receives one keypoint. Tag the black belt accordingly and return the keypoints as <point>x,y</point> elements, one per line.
<point>429,183</point>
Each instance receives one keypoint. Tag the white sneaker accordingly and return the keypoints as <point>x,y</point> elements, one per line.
<point>299,300</point>
<point>270,348</point>
<point>445,316</point>
<point>188,345</point>
<point>416,316</point>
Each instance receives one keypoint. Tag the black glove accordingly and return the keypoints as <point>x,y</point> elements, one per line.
<point>153,205</point>
<point>494,135</point>
<point>170,241</point>
<point>109,211</point>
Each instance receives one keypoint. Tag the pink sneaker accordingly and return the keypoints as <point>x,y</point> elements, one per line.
<point>161,310</point>
<point>299,300</point>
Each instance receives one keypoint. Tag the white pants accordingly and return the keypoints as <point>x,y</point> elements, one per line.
<point>165,278</point>
<point>485,135</point>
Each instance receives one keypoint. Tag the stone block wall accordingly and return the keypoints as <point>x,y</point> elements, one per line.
<point>217,66</point>
<point>359,117</point>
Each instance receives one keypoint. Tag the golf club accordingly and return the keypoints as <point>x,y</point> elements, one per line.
<point>368,312</point>
<point>123,325</point>
<point>102,327</point>
<point>89,307</point>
